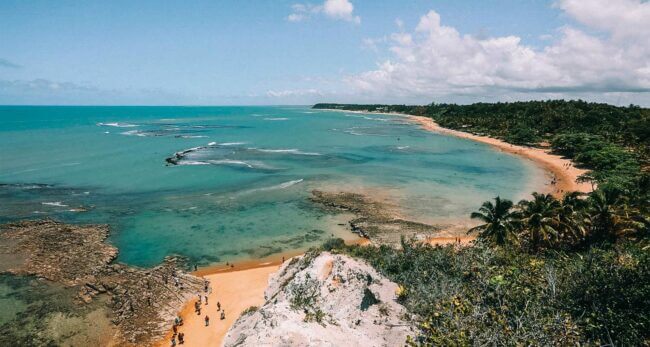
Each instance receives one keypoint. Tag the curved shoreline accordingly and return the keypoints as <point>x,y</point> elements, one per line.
<point>249,279</point>
<point>563,172</point>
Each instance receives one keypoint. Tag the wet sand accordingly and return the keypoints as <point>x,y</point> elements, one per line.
<point>564,174</point>
<point>443,241</point>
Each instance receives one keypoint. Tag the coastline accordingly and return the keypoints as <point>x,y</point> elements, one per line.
<point>560,170</point>
<point>240,286</point>
<point>563,172</point>
<point>236,288</point>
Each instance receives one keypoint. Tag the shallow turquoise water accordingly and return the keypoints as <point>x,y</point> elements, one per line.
<point>243,192</point>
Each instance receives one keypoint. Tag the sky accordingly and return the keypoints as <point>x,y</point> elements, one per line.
<point>279,52</point>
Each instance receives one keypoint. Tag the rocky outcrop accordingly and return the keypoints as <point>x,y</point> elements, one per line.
<point>325,300</point>
<point>143,302</point>
<point>375,220</point>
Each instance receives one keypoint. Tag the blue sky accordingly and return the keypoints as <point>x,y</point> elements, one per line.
<point>240,52</point>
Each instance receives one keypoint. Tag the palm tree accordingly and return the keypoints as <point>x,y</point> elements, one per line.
<point>572,217</point>
<point>500,221</point>
<point>610,215</point>
<point>540,219</point>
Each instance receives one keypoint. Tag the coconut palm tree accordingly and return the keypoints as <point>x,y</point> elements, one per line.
<point>572,217</point>
<point>500,221</point>
<point>540,219</point>
<point>610,215</point>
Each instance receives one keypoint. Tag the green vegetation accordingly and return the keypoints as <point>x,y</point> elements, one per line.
<point>484,295</point>
<point>543,271</point>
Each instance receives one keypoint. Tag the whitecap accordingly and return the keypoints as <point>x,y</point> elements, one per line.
<point>217,162</point>
<point>118,125</point>
<point>192,136</point>
<point>277,118</point>
<point>232,143</point>
<point>193,162</point>
<point>133,133</point>
<point>212,143</point>
<point>283,185</point>
<point>231,162</point>
<point>54,203</point>
<point>403,147</point>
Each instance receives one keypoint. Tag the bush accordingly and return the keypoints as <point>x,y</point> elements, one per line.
<point>497,296</point>
<point>333,243</point>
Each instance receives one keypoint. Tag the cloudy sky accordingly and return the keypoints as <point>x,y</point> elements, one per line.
<point>301,52</point>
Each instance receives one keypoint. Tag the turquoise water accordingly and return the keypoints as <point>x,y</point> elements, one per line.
<point>241,189</point>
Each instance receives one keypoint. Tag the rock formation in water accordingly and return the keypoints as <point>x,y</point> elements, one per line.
<point>375,220</point>
<point>142,302</point>
<point>325,300</point>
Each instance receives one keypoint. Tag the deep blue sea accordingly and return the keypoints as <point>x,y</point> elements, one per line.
<point>240,190</point>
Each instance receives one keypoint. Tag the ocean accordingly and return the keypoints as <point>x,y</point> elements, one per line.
<point>219,184</point>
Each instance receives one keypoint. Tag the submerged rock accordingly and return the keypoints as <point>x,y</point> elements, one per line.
<point>375,220</point>
<point>62,253</point>
<point>143,302</point>
<point>325,300</point>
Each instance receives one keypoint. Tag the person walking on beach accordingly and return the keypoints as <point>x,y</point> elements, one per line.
<point>205,285</point>
<point>173,341</point>
<point>207,320</point>
<point>218,306</point>
<point>223,315</point>
<point>181,338</point>
<point>206,300</point>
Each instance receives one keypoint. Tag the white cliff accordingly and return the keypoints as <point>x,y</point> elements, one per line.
<point>325,300</point>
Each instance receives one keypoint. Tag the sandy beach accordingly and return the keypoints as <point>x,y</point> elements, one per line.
<point>563,174</point>
<point>236,289</point>
<point>242,286</point>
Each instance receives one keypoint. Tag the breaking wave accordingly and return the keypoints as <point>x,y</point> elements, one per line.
<point>118,125</point>
<point>54,203</point>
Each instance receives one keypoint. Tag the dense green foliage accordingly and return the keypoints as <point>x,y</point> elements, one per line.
<point>485,295</point>
<point>543,271</point>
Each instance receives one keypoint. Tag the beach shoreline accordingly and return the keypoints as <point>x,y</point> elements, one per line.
<point>236,287</point>
<point>563,173</point>
<point>241,285</point>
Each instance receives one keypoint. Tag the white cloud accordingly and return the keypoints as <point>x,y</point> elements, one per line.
<point>293,93</point>
<point>334,9</point>
<point>438,60</point>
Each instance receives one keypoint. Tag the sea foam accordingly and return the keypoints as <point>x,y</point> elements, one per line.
<point>118,125</point>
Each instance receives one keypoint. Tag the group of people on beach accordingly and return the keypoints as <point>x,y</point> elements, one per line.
<point>202,299</point>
